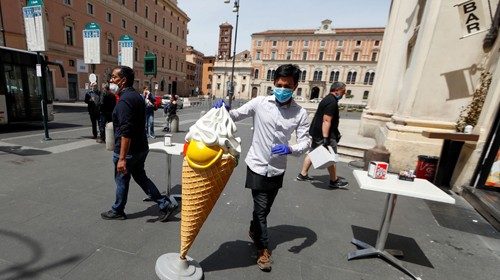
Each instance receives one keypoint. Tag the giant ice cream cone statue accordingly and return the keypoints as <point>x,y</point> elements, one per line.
<point>211,153</point>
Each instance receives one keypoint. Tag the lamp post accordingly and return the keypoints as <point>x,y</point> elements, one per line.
<point>236,9</point>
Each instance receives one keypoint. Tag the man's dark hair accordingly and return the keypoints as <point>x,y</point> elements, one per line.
<point>288,70</point>
<point>336,86</point>
<point>127,73</point>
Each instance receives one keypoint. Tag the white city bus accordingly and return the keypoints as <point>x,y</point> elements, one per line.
<point>20,96</point>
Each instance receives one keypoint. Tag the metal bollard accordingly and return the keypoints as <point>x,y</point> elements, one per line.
<point>110,136</point>
<point>174,124</point>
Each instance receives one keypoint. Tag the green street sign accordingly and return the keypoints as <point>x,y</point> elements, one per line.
<point>126,38</point>
<point>34,3</point>
<point>92,25</point>
<point>150,64</point>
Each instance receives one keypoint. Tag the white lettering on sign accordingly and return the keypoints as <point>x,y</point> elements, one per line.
<point>472,17</point>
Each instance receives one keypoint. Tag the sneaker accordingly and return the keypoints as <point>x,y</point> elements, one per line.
<point>111,215</point>
<point>338,184</point>
<point>301,177</point>
<point>167,212</point>
<point>264,260</point>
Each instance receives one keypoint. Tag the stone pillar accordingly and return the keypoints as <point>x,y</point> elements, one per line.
<point>383,99</point>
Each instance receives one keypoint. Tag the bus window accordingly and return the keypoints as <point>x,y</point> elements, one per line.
<point>15,94</point>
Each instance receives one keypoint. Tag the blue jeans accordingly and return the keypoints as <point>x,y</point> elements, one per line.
<point>135,169</point>
<point>150,124</point>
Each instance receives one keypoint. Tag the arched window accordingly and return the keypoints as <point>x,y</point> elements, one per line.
<point>256,74</point>
<point>351,77</point>
<point>304,74</point>
<point>272,74</point>
<point>367,78</point>
<point>372,77</point>
<point>299,91</point>
<point>269,91</point>
<point>365,94</point>
<point>317,75</point>
<point>268,77</point>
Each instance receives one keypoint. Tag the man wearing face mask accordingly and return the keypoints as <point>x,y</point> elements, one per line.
<point>324,131</point>
<point>275,118</point>
<point>131,146</point>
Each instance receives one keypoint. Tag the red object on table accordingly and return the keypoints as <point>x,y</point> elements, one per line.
<point>426,167</point>
<point>377,169</point>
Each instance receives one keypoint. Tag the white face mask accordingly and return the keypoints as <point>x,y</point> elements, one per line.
<point>113,88</point>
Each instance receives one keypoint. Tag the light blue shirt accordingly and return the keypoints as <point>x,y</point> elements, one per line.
<point>273,125</point>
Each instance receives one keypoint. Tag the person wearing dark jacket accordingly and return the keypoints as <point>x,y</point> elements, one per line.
<point>131,147</point>
<point>170,111</point>
<point>108,104</point>
<point>94,101</point>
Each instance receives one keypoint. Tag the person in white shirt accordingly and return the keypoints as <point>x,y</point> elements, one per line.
<point>275,118</point>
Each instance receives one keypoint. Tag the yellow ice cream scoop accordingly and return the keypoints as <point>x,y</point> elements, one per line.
<point>201,156</point>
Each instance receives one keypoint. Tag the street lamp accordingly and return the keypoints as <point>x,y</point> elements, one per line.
<point>236,9</point>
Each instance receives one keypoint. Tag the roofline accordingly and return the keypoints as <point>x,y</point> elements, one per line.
<point>311,31</point>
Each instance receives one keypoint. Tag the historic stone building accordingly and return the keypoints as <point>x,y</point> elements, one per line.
<point>157,26</point>
<point>194,80</point>
<point>324,55</point>
<point>440,57</point>
<point>207,74</point>
<point>242,80</point>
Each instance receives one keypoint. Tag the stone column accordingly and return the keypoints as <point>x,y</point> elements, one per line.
<point>383,99</point>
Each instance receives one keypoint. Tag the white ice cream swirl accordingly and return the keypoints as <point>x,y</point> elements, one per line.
<point>216,128</point>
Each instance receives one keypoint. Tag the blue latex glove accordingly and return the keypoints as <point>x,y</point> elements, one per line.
<point>219,103</point>
<point>281,149</point>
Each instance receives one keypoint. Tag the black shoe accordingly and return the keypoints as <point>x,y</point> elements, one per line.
<point>301,177</point>
<point>111,215</point>
<point>338,184</point>
<point>167,212</point>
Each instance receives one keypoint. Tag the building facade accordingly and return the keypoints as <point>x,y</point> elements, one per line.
<point>196,58</point>
<point>242,78</point>
<point>157,26</point>
<point>207,73</point>
<point>427,81</point>
<point>324,55</point>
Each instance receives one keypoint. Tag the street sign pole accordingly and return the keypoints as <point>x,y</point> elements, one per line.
<point>43,91</point>
<point>36,41</point>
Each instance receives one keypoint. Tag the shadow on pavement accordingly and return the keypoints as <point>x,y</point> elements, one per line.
<point>468,220</point>
<point>153,210</point>
<point>411,250</point>
<point>17,150</point>
<point>23,270</point>
<point>321,182</point>
<point>21,127</point>
<point>239,253</point>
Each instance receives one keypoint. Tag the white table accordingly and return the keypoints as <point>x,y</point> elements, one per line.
<point>419,188</point>
<point>174,149</point>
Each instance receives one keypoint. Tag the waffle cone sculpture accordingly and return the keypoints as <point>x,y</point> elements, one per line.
<point>210,155</point>
<point>201,189</point>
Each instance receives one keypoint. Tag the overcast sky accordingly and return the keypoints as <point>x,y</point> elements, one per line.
<point>261,15</point>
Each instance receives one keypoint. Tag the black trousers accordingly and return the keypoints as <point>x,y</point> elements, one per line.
<point>262,202</point>
<point>94,119</point>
